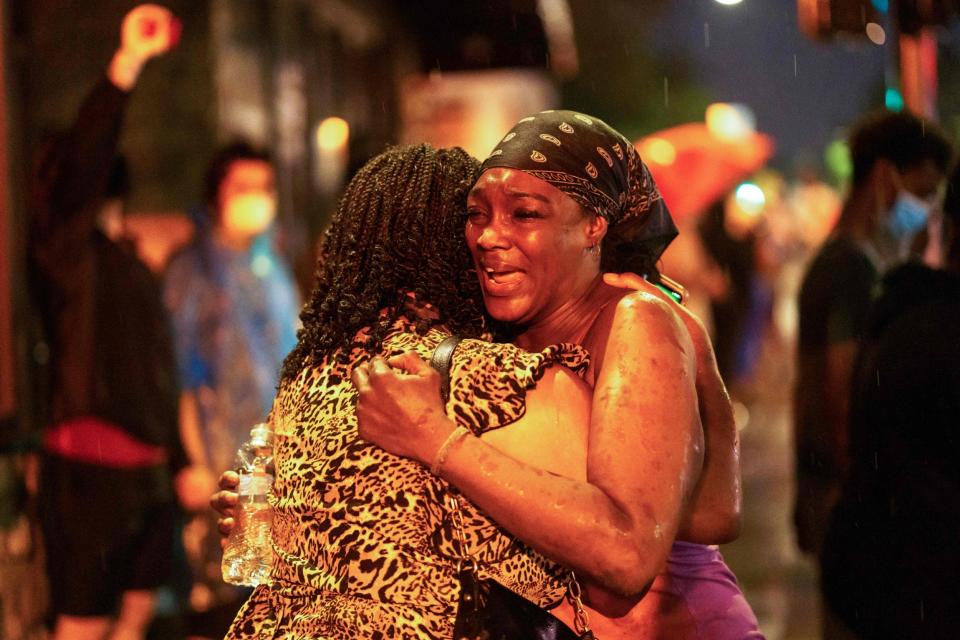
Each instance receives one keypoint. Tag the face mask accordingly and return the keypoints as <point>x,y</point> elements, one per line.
<point>249,213</point>
<point>908,214</point>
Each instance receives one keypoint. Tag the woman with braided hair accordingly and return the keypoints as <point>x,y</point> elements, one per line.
<point>395,239</point>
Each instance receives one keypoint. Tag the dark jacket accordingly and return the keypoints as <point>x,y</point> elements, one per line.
<point>111,349</point>
<point>891,557</point>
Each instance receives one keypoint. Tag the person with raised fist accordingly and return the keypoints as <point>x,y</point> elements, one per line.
<point>111,445</point>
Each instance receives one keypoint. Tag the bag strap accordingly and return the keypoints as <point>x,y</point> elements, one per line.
<point>441,360</point>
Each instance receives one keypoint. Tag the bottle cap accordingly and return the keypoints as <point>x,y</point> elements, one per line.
<point>261,435</point>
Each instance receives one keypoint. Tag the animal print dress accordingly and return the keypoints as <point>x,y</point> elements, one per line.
<point>362,538</point>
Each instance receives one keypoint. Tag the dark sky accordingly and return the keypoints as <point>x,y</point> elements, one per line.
<point>802,92</point>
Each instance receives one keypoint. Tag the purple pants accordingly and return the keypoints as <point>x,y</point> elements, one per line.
<point>697,597</point>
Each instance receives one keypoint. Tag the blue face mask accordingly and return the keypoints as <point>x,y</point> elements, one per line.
<point>908,215</point>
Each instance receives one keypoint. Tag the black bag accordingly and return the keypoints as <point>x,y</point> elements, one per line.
<point>490,611</point>
<point>487,610</point>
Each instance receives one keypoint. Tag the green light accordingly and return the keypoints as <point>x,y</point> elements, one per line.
<point>837,159</point>
<point>894,100</point>
<point>676,295</point>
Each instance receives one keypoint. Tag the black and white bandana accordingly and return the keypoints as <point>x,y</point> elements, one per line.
<point>595,165</point>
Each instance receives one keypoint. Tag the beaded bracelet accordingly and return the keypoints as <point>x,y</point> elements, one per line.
<point>441,456</point>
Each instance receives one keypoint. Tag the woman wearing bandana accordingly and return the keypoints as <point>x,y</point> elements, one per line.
<point>562,199</point>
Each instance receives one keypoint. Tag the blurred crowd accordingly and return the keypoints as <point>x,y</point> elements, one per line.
<point>167,375</point>
<point>154,383</point>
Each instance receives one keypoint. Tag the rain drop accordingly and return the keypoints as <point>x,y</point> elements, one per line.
<point>706,35</point>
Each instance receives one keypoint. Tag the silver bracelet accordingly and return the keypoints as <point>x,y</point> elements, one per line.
<point>441,456</point>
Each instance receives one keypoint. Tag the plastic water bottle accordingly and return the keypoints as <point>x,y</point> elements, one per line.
<point>248,556</point>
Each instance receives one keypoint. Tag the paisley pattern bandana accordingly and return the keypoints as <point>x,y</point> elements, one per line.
<point>593,164</point>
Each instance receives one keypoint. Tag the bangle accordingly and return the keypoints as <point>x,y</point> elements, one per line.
<point>440,457</point>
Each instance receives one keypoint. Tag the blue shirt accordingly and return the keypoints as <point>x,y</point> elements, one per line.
<point>235,317</point>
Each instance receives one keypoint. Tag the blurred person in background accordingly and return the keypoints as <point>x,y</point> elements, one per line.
<point>234,306</point>
<point>112,442</point>
<point>810,211</point>
<point>734,251</point>
<point>899,167</point>
<point>687,261</point>
<point>890,559</point>
<point>815,206</point>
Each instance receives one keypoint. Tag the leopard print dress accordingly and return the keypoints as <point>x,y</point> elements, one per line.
<point>362,538</point>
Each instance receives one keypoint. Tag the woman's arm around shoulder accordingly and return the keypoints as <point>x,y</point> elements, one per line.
<point>616,528</point>
<point>646,440</point>
<point>713,516</point>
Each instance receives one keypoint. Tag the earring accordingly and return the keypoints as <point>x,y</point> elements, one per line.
<point>593,249</point>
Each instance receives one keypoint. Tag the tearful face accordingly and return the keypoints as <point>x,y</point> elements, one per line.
<point>528,240</point>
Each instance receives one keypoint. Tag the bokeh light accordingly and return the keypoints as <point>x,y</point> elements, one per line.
<point>333,133</point>
<point>893,99</point>
<point>730,121</point>
<point>876,34</point>
<point>836,157</point>
<point>659,151</point>
<point>750,198</point>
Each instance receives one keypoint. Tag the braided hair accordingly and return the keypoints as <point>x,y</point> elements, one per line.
<point>397,230</point>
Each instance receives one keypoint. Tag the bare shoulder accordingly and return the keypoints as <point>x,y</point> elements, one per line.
<point>643,305</point>
<point>636,313</point>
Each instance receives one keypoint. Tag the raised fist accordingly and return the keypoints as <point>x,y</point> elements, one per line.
<point>148,30</point>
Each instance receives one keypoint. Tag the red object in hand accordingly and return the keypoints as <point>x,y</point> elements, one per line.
<point>148,29</point>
